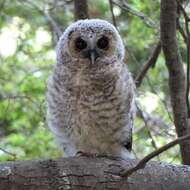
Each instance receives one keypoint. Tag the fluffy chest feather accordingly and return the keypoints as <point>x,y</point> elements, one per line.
<point>100,104</point>
<point>91,111</point>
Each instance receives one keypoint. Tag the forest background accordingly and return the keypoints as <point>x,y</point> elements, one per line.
<point>29,30</point>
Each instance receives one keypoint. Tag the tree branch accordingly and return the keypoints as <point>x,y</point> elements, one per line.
<point>81,173</point>
<point>181,30</point>
<point>152,120</point>
<point>125,6</point>
<point>150,63</point>
<point>176,73</point>
<point>9,153</point>
<point>112,14</point>
<point>186,17</point>
<point>142,163</point>
<point>81,9</point>
<point>55,28</point>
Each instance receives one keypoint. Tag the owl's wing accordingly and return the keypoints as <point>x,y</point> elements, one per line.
<point>129,141</point>
<point>128,144</point>
<point>132,110</point>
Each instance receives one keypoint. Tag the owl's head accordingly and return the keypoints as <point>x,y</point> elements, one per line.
<point>90,41</point>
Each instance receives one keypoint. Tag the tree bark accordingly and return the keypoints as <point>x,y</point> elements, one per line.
<point>81,173</point>
<point>81,9</point>
<point>176,73</point>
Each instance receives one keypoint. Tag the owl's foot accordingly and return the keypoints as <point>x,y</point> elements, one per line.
<point>87,154</point>
<point>91,154</point>
<point>110,157</point>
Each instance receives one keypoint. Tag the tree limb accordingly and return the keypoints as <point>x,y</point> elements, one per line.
<point>82,173</point>
<point>54,26</point>
<point>125,6</point>
<point>152,120</point>
<point>81,9</point>
<point>9,153</point>
<point>176,73</point>
<point>186,17</point>
<point>150,63</point>
<point>142,163</point>
<point>112,14</point>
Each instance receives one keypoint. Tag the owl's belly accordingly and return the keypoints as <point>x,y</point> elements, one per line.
<point>102,121</point>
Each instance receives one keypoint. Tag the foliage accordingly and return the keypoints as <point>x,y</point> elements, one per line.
<point>26,59</point>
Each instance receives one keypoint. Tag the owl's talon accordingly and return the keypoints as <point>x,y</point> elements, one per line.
<point>87,154</point>
<point>109,157</point>
<point>90,154</point>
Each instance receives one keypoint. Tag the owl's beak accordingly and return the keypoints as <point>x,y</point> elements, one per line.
<point>93,55</point>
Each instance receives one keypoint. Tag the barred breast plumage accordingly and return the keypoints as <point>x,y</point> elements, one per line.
<point>91,102</point>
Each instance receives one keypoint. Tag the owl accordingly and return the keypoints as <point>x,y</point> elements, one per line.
<point>90,95</point>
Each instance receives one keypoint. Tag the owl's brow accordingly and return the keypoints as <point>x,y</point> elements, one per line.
<point>91,29</point>
<point>70,33</point>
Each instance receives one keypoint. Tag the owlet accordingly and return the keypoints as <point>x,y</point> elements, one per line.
<point>90,94</point>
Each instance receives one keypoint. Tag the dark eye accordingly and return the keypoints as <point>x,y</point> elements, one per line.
<point>80,44</point>
<point>103,43</point>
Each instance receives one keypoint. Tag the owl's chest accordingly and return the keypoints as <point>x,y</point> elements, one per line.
<point>98,107</point>
<point>89,91</point>
<point>97,100</point>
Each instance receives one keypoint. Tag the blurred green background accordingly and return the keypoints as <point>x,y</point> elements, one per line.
<point>27,54</point>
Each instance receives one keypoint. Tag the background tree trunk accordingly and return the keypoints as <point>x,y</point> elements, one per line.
<point>83,173</point>
<point>81,9</point>
<point>176,73</point>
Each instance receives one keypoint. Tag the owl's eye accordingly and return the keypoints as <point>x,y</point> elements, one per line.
<point>103,43</point>
<point>80,44</point>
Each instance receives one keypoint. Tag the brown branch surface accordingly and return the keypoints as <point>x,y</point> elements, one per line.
<point>186,17</point>
<point>82,173</point>
<point>176,73</point>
